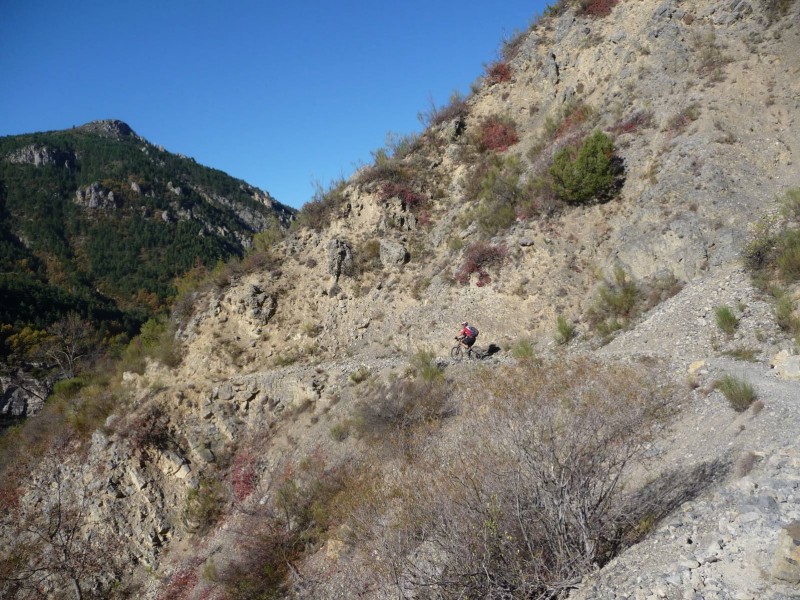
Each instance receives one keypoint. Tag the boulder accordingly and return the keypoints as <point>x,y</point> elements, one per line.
<point>393,254</point>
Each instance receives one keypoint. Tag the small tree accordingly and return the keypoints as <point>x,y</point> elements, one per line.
<point>588,172</point>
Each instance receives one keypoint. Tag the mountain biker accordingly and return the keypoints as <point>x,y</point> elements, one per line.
<point>467,335</point>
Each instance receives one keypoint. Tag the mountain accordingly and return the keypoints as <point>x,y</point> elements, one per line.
<point>616,207</point>
<point>98,221</point>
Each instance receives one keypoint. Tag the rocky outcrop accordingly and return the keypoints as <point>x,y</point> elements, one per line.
<point>41,156</point>
<point>111,128</point>
<point>340,258</point>
<point>96,197</point>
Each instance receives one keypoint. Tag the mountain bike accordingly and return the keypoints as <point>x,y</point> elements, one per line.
<point>457,351</point>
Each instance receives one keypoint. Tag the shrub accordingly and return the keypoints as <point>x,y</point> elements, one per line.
<point>455,109</point>
<point>523,350</point>
<point>740,394</point>
<point>710,56</point>
<point>318,212</point>
<point>408,197</point>
<point>681,120</point>
<point>790,204</point>
<point>497,134</point>
<point>616,303</point>
<point>587,173</point>
<point>565,330</point>
<point>498,72</point>
<point>638,120</point>
<point>478,258</point>
<point>367,257</point>
<point>745,353</point>
<point>397,409</point>
<point>360,374</point>
<point>340,431</point>
<point>726,320</point>
<point>533,502</point>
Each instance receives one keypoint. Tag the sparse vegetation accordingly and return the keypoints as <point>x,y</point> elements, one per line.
<point>773,258</point>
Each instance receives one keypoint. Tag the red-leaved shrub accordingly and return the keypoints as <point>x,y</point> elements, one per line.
<point>497,134</point>
<point>596,8</point>
<point>498,72</point>
<point>409,197</point>
<point>477,259</point>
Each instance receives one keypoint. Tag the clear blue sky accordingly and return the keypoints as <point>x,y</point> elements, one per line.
<point>276,93</point>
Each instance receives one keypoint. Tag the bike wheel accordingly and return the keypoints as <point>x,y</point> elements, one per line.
<point>455,352</point>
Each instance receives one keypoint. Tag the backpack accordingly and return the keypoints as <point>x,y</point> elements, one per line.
<point>473,331</point>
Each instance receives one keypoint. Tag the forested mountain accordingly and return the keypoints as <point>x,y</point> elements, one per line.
<point>97,221</point>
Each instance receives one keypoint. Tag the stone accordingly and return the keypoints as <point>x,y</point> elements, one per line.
<point>786,560</point>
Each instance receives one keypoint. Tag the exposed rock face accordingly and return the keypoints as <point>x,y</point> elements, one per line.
<point>41,156</point>
<point>94,196</point>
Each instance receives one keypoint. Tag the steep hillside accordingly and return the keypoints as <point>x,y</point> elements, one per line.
<point>616,207</point>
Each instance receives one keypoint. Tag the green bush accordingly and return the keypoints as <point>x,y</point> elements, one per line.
<point>589,172</point>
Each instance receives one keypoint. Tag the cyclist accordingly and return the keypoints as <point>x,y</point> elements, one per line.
<point>467,336</point>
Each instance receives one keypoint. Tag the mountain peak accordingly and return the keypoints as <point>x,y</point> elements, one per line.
<point>112,128</point>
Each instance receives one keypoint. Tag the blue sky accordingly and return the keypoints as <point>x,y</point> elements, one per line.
<point>280,94</point>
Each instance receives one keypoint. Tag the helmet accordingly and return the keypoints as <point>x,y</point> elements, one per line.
<point>464,324</point>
